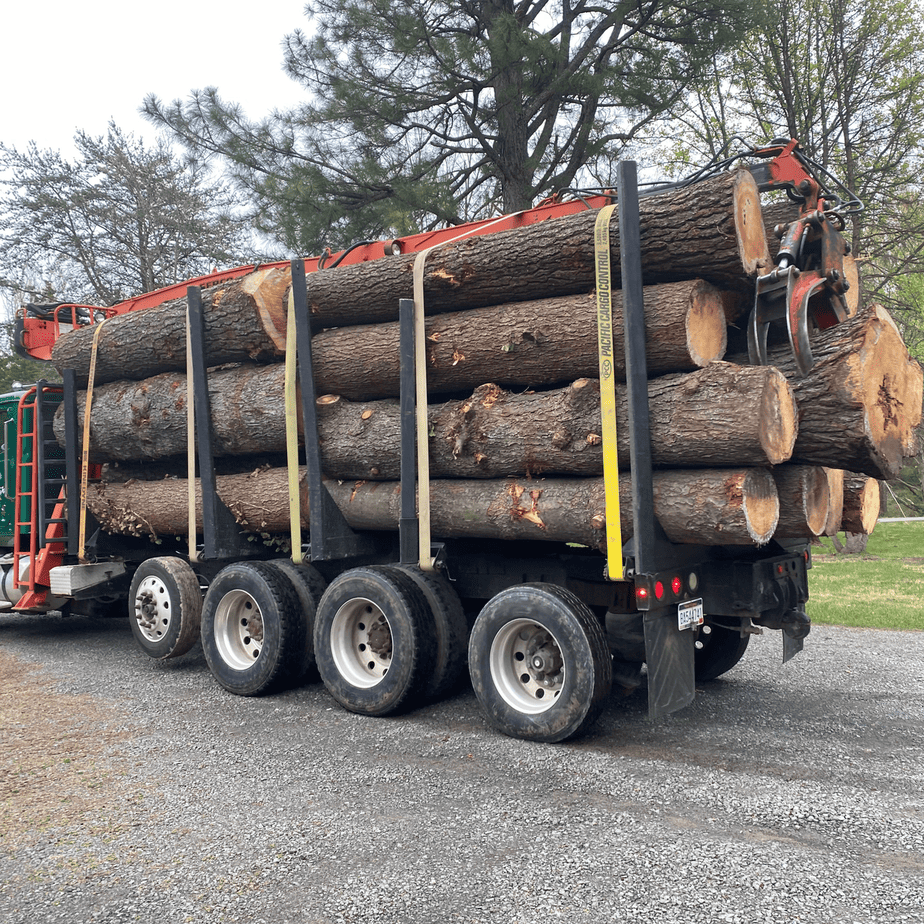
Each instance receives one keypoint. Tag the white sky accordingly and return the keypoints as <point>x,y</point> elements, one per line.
<point>66,66</point>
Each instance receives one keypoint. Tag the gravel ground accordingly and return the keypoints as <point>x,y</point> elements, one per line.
<point>132,791</point>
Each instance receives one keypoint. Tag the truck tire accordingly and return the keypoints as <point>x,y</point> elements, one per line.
<point>717,650</point>
<point>252,629</point>
<point>309,586</point>
<point>165,606</point>
<point>539,663</point>
<point>374,640</point>
<point>450,627</point>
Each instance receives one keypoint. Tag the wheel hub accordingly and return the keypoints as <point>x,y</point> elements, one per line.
<point>152,608</point>
<point>361,642</point>
<point>527,666</point>
<point>239,629</point>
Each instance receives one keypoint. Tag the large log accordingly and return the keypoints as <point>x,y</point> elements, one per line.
<point>861,402</point>
<point>244,321</point>
<point>718,416</point>
<point>709,506</point>
<point>712,229</point>
<point>526,344</point>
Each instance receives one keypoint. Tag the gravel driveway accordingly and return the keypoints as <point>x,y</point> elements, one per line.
<point>133,791</point>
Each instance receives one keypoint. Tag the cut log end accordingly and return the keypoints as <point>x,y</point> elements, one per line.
<point>707,332</point>
<point>269,289</point>
<point>760,503</point>
<point>779,416</point>
<point>836,500</point>
<point>861,504</point>
<point>749,224</point>
<point>804,501</point>
<point>892,383</point>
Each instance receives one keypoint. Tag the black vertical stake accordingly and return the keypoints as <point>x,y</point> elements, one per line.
<point>668,650</point>
<point>331,535</point>
<point>407,525</point>
<point>630,254</point>
<point>221,534</point>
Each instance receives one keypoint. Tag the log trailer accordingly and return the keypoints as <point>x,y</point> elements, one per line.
<point>389,619</point>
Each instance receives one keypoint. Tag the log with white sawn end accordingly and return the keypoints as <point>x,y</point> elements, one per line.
<point>526,344</point>
<point>718,416</point>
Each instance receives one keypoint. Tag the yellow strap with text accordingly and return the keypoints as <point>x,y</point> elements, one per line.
<point>602,261</point>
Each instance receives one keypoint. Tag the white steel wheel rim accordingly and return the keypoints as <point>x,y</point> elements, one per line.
<point>153,608</point>
<point>239,629</point>
<point>527,667</point>
<point>361,643</point>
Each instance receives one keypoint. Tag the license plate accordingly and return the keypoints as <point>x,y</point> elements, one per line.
<point>690,614</point>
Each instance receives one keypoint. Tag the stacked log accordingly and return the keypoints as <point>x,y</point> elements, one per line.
<point>743,453</point>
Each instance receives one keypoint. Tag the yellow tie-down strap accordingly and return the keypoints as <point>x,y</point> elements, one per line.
<point>602,261</point>
<point>85,447</point>
<point>420,378</point>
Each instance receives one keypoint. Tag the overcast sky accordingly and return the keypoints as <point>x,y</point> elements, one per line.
<point>66,66</point>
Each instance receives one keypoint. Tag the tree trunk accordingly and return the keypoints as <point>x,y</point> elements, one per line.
<point>526,344</point>
<point>729,506</point>
<point>861,402</point>
<point>710,230</point>
<point>861,503</point>
<point>717,416</point>
<point>244,322</point>
<point>804,501</point>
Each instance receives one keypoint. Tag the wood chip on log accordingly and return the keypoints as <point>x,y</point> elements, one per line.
<point>706,506</point>
<point>804,500</point>
<point>861,503</point>
<point>526,344</point>
<point>245,320</point>
<point>860,404</point>
<point>718,416</point>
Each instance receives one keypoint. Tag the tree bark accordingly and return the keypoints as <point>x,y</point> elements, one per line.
<point>712,507</point>
<point>717,416</point>
<point>861,503</point>
<point>526,344</point>
<point>804,500</point>
<point>861,402</point>
<point>244,321</point>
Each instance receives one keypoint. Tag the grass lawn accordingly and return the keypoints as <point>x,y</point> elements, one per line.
<point>882,588</point>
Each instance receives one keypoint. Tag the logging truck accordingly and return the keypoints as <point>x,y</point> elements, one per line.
<point>514,446</point>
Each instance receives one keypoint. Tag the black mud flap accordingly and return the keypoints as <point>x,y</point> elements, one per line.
<point>791,646</point>
<point>669,656</point>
